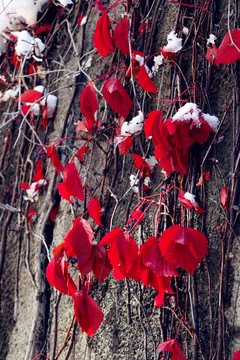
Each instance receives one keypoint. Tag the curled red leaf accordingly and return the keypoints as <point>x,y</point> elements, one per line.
<point>102,38</point>
<point>71,185</point>
<point>57,272</point>
<point>89,105</point>
<point>52,153</point>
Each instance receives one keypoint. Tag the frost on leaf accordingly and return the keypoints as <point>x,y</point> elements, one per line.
<point>173,137</point>
<point>188,200</point>
<point>71,185</point>
<point>183,247</point>
<point>117,97</point>
<point>102,38</point>
<point>120,36</point>
<point>87,312</point>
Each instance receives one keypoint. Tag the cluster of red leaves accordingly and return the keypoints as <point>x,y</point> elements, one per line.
<point>79,244</point>
<point>228,50</point>
<point>157,260</point>
<point>172,139</point>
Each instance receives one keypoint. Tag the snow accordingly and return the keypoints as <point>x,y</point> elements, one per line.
<point>15,13</point>
<point>51,105</point>
<point>158,60</point>
<point>151,161</point>
<point>174,43</point>
<point>212,121</point>
<point>186,112</point>
<point>140,59</point>
<point>133,126</point>
<point>26,43</point>
<point>9,94</point>
<point>211,40</point>
<point>190,197</point>
<point>191,111</point>
<point>185,30</point>
<point>32,193</point>
<point>65,2</point>
<point>134,181</point>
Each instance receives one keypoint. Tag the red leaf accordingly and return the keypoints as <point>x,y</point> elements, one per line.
<point>145,81</point>
<point>102,38</point>
<point>224,197</point>
<point>124,144</point>
<point>38,171</point>
<point>206,176</point>
<point>101,263</point>
<point>25,108</point>
<point>189,203</point>
<point>135,69</point>
<point>123,254</point>
<point>211,54</point>
<point>81,126</point>
<point>159,283</point>
<point>141,164</point>
<point>43,28</point>
<point>88,313</point>
<point>236,355</point>
<point>44,118</point>
<point>57,272</point>
<point>117,97</point>
<point>173,346</point>
<point>81,152</point>
<point>78,241</point>
<point>151,257</point>
<point>120,36</point>
<point>94,210</point>
<point>30,96</point>
<point>51,152</point>
<point>184,247</point>
<point>24,186</point>
<point>227,52</point>
<point>31,215</point>
<point>71,185</point>
<point>89,105</point>
<point>53,213</point>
